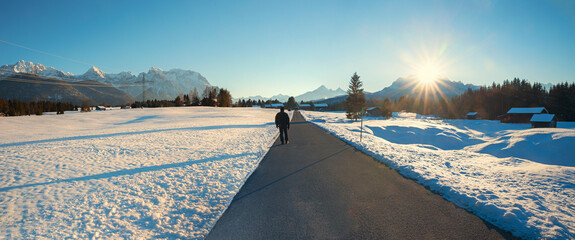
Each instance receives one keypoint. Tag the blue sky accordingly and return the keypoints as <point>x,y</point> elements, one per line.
<point>290,47</point>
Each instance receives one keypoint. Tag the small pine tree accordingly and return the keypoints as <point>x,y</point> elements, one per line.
<point>187,100</point>
<point>355,101</point>
<point>291,103</point>
<point>178,101</point>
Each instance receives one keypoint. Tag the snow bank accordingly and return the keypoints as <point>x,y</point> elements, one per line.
<point>518,178</point>
<point>139,173</point>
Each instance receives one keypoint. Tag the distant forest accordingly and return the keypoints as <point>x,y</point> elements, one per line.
<point>490,101</point>
<point>251,103</point>
<point>20,108</point>
<point>212,96</point>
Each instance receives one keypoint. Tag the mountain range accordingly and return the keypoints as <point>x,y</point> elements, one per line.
<point>403,86</point>
<point>29,81</point>
<point>321,93</point>
<point>30,87</point>
<point>104,87</point>
<point>412,87</point>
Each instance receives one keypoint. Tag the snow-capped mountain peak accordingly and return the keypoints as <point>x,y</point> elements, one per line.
<point>94,73</point>
<point>33,68</point>
<point>155,69</point>
<point>320,93</point>
<point>27,67</point>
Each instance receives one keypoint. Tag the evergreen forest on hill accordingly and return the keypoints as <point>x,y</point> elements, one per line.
<point>488,101</point>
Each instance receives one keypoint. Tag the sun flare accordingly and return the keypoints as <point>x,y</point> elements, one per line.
<point>428,73</point>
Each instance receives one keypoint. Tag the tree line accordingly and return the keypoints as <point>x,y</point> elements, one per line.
<point>497,99</point>
<point>211,96</point>
<point>16,107</point>
<point>490,101</point>
<point>290,104</point>
<point>251,103</point>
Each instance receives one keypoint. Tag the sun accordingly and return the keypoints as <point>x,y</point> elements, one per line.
<point>428,73</point>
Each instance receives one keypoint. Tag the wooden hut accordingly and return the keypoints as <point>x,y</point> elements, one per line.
<point>544,121</point>
<point>304,106</point>
<point>320,106</point>
<point>374,112</point>
<point>521,115</point>
<point>472,115</point>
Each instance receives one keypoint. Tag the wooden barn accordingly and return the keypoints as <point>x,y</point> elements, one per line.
<point>544,121</point>
<point>277,105</point>
<point>320,106</point>
<point>304,106</point>
<point>521,115</point>
<point>374,112</point>
<point>472,115</point>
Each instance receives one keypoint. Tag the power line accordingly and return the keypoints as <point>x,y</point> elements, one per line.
<point>144,88</point>
<point>40,81</point>
<point>47,53</point>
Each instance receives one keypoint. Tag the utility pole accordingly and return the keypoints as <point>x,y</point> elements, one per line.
<point>361,132</point>
<point>143,89</point>
<point>362,115</point>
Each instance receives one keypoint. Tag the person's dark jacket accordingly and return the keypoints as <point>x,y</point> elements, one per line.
<point>282,120</point>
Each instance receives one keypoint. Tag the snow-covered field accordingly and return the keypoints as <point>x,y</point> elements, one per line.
<point>520,179</point>
<point>139,173</point>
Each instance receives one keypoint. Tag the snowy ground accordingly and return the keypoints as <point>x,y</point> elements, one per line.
<point>139,173</point>
<point>520,179</point>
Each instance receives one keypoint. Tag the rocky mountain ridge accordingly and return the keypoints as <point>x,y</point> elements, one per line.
<point>159,84</point>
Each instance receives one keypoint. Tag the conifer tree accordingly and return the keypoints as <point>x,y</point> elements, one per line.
<point>224,98</point>
<point>355,101</point>
<point>291,103</point>
<point>187,100</point>
<point>178,101</point>
<point>210,96</point>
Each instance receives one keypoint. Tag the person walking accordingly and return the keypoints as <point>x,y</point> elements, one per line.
<point>282,122</point>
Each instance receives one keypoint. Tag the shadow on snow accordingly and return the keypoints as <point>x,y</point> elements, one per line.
<point>134,133</point>
<point>130,171</point>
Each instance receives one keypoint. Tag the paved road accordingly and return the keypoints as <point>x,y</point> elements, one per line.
<point>318,187</point>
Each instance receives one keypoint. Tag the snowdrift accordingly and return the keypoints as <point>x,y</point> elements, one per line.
<point>520,179</point>
<point>124,174</point>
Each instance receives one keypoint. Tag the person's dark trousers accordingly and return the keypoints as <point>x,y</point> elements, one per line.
<point>283,132</point>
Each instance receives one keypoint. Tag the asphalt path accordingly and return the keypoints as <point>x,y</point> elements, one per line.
<point>319,187</point>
